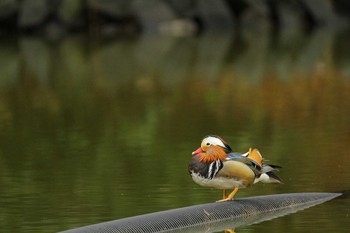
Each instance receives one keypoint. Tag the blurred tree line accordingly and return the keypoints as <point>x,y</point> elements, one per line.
<point>58,17</point>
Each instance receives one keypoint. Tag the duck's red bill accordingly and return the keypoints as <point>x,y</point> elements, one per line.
<point>199,150</point>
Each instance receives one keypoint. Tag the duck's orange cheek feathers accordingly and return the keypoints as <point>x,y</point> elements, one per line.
<point>206,158</point>
<point>212,155</point>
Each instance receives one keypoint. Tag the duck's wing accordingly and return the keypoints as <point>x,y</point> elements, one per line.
<point>252,154</point>
<point>243,158</point>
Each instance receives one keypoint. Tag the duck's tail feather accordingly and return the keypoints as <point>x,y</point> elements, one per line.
<point>268,176</point>
<point>269,167</point>
<point>273,178</point>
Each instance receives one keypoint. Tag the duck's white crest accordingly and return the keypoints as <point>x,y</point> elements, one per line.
<point>213,141</point>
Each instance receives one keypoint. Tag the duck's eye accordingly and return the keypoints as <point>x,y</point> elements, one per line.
<point>208,144</point>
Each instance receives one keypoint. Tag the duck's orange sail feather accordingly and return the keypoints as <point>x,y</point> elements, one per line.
<point>255,155</point>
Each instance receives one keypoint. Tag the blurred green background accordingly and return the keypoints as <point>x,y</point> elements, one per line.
<point>96,127</point>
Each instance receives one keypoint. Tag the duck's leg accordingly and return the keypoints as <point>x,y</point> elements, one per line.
<point>230,231</point>
<point>224,195</point>
<point>230,197</point>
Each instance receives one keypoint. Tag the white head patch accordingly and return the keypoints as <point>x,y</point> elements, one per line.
<point>212,141</point>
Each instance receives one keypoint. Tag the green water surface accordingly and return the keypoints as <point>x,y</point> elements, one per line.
<point>93,130</point>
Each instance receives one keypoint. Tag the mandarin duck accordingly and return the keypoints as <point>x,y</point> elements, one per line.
<point>214,164</point>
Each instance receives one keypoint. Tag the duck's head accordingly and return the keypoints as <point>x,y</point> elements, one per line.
<point>212,148</point>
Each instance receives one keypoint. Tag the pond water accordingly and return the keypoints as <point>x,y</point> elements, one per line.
<point>94,130</point>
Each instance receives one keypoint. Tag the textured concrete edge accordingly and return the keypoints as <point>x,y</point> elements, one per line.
<point>280,205</point>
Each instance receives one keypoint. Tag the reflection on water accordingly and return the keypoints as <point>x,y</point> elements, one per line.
<point>93,131</point>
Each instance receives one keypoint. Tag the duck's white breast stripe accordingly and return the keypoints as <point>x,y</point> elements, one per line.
<point>214,168</point>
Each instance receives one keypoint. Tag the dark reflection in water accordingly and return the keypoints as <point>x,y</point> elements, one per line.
<point>95,131</point>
